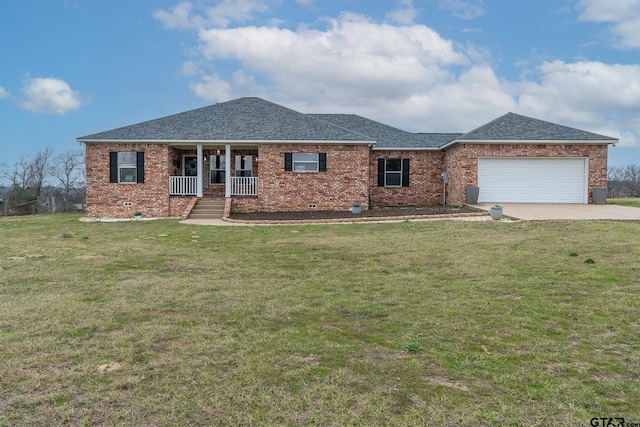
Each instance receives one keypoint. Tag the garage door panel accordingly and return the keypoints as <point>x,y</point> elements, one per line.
<point>529,180</point>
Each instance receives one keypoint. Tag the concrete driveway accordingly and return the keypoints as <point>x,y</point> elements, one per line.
<point>542,211</point>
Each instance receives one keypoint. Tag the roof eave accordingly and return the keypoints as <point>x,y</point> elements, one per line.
<point>390,148</point>
<point>219,141</point>
<point>531,141</point>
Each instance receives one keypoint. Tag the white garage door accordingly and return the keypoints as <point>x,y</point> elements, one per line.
<point>532,180</point>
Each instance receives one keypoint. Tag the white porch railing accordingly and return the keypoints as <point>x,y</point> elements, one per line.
<point>244,186</point>
<point>183,185</point>
<point>188,186</point>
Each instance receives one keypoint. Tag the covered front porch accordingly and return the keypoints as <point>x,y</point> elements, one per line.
<point>211,170</point>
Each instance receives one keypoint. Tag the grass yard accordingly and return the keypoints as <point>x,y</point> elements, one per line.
<point>152,323</point>
<point>629,201</point>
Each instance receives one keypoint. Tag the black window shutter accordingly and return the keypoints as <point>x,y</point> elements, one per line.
<point>322,162</point>
<point>288,161</point>
<point>113,166</point>
<point>381,172</point>
<point>405,172</point>
<point>140,167</point>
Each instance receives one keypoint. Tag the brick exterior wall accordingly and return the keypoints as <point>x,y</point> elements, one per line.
<point>344,182</point>
<point>105,199</point>
<point>461,162</point>
<point>425,181</point>
<point>351,176</point>
<point>180,207</point>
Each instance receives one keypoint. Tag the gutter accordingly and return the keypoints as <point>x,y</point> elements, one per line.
<point>387,148</point>
<point>221,141</point>
<point>531,142</point>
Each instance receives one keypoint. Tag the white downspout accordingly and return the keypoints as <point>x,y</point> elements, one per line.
<point>199,179</point>
<point>445,181</point>
<point>227,171</point>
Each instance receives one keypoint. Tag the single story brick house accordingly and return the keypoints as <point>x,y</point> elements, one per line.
<point>261,156</point>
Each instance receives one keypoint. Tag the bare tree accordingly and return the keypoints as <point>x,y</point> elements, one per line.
<point>632,178</point>
<point>615,181</point>
<point>624,181</point>
<point>40,172</point>
<point>20,199</point>
<point>20,174</point>
<point>68,170</point>
<point>27,177</point>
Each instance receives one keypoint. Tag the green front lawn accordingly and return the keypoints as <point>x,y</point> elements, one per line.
<point>625,202</point>
<point>415,323</point>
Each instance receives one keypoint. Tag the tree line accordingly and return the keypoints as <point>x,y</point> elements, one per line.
<point>43,182</point>
<point>624,181</point>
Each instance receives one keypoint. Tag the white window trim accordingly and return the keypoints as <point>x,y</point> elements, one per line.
<point>392,172</point>
<point>134,167</point>
<point>308,162</point>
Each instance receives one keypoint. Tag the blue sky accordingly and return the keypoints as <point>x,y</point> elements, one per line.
<point>74,67</point>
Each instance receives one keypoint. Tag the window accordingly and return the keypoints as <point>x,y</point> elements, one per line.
<point>190,167</point>
<point>305,162</point>
<point>244,165</point>
<point>393,172</point>
<point>126,167</point>
<point>218,168</point>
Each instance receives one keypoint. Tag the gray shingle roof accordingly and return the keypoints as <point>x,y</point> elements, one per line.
<point>254,119</point>
<point>514,127</point>
<point>387,136</point>
<point>436,139</point>
<point>243,119</point>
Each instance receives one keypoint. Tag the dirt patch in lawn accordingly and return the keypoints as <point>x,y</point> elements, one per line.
<point>448,383</point>
<point>398,212</point>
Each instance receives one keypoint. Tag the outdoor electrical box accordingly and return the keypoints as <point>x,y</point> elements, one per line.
<point>445,178</point>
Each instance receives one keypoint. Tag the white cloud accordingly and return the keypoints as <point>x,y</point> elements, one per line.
<point>214,88</point>
<point>407,76</point>
<point>458,104</point>
<point>178,17</point>
<point>190,68</point>
<point>586,95</point>
<point>229,11</point>
<point>463,9</point>
<point>224,13</point>
<point>353,57</point>
<point>405,14</point>
<point>4,93</point>
<point>401,75</point>
<point>623,15</point>
<point>49,95</point>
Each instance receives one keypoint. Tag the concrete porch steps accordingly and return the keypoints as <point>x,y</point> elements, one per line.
<point>207,209</point>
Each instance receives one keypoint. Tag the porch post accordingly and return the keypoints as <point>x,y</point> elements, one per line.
<point>227,171</point>
<point>199,179</point>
